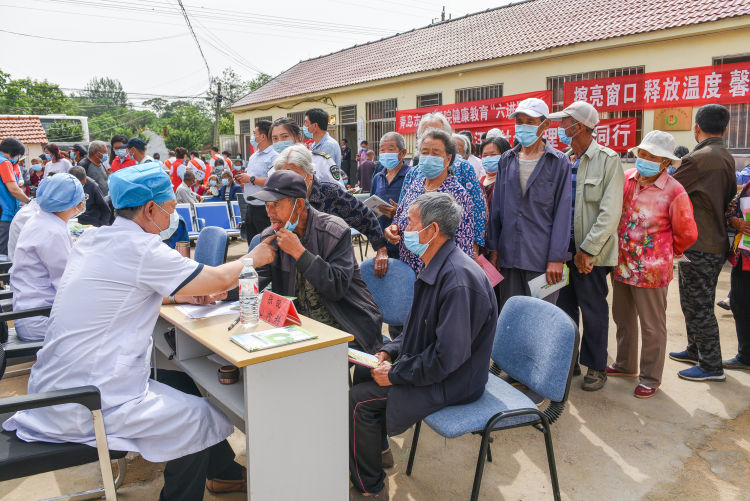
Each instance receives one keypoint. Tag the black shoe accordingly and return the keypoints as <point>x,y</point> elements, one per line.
<point>387,459</point>
<point>577,369</point>
<point>724,304</point>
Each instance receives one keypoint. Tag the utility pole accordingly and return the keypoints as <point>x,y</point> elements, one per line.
<point>217,113</point>
<point>442,16</point>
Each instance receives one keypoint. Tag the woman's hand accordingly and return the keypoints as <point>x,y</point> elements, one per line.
<point>392,234</point>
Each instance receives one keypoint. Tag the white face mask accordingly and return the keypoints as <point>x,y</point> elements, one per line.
<point>174,222</point>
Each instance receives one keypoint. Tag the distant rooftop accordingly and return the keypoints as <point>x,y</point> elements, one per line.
<point>27,129</point>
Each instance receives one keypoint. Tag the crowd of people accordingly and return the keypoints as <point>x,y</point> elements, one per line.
<point>529,209</point>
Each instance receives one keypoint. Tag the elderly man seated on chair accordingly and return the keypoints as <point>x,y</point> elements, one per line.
<point>442,356</point>
<point>316,262</point>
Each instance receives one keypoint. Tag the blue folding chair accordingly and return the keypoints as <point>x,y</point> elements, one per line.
<point>536,344</point>
<point>186,212</point>
<point>215,214</point>
<point>211,246</point>
<point>236,213</point>
<point>394,292</point>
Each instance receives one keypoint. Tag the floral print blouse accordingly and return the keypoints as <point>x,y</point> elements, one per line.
<point>656,225</point>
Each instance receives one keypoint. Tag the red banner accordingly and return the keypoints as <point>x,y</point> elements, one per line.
<point>615,133</point>
<point>725,84</point>
<point>487,112</point>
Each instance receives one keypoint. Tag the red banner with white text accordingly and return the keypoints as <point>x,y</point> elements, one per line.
<point>724,84</point>
<point>471,114</point>
<point>615,133</point>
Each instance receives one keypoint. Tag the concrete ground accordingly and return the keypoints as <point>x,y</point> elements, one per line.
<point>690,441</point>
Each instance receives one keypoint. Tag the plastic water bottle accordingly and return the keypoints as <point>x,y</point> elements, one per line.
<point>249,301</point>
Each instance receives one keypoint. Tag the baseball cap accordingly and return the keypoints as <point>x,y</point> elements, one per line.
<point>532,107</point>
<point>580,111</point>
<point>137,143</point>
<point>282,184</point>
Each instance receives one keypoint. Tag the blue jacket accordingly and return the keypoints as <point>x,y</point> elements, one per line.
<point>529,230</point>
<point>233,190</point>
<point>442,356</point>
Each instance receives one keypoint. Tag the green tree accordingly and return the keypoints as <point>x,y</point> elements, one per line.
<point>188,125</point>
<point>157,104</point>
<point>64,131</point>
<point>25,96</point>
<point>105,93</point>
<point>233,87</point>
<point>120,121</point>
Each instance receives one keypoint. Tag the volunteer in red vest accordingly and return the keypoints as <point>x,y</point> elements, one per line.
<point>199,168</point>
<point>11,194</point>
<point>214,156</point>
<point>120,157</point>
<point>178,167</point>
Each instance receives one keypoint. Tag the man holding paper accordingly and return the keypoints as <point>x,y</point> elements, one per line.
<point>738,217</point>
<point>443,353</point>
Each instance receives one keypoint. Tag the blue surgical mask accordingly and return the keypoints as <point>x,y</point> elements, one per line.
<point>526,134</point>
<point>646,168</point>
<point>280,146</point>
<point>459,158</point>
<point>289,226</point>
<point>253,141</point>
<point>72,155</point>
<point>47,156</point>
<point>105,157</point>
<point>212,183</point>
<point>122,153</point>
<point>563,136</point>
<point>411,241</point>
<point>36,167</point>
<point>306,132</point>
<point>225,181</point>
<point>431,166</point>
<point>491,163</point>
<point>389,160</point>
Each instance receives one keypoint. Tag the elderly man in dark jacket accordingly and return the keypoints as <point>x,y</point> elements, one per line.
<point>316,262</point>
<point>441,357</point>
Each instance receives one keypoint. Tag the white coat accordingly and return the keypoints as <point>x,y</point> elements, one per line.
<point>41,254</point>
<point>100,334</point>
<point>19,220</point>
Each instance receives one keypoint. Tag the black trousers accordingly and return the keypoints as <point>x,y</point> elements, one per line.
<point>698,280</point>
<point>4,233</point>
<point>587,294</point>
<point>367,431</point>
<point>185,477</point>
<point>740,286</point>
<point>256,220</point>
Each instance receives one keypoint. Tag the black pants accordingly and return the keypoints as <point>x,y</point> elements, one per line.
<point>698,280</point>
<point>740,286</point>
<point>4,233</point>
<point>587,293</point>
<point>185,477</point>
<point>367,431</point>
<point>256,220</point>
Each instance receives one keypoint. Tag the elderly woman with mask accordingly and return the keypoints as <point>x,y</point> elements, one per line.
<point>42,251</point>
<point>656,225</point>
<point>437,154</point>
<point>462,170</point>
<point>387,183</point>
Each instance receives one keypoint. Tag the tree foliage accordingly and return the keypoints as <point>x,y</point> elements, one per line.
<point>65,131</point>
<point>104,93</point>
<point>25,96</point>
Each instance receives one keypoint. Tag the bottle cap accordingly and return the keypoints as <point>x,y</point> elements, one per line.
<point>247,261</point>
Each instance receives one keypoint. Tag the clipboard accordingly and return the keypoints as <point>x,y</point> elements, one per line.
<point>278,310</point>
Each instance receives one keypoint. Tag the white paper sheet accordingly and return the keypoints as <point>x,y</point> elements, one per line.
<point>540,289</point>
<point>195,311</point>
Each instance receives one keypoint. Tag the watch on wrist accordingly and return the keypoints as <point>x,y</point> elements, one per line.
<point>252,180</point>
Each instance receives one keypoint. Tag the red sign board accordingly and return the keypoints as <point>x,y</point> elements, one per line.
<point>278,310</point>
<point>725,84</point>
<point>487,112</point>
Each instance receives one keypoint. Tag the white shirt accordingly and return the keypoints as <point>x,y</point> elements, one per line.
<point>100,332</point>
<point>41,254</point>
<point>19,220</point>
<point>259,165</point>
<point>327,170</point>
<point>62,165</point>
<point>477,164</point>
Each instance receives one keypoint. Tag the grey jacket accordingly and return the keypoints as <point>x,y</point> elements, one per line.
<point>330,266</point>
<point>598,204</point>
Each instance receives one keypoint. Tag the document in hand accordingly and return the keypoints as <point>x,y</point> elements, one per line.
<point>493,275</point>
<point>745,208</point>
<point>272,338</point>
<point>362,358</point>
<point>540,289</point>
<point>373,203</point>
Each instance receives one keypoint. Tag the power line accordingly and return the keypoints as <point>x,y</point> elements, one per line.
<point>195,37</point>
<point>92,41</point>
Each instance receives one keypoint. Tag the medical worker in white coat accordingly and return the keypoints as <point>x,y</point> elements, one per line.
<point>42,249</point>
<point>101,324</point>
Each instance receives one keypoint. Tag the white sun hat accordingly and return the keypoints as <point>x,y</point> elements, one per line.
<point>660,144</point>
<point>532,107</point>
<point>580,111</point>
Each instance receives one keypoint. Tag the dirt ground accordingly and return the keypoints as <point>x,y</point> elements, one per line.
<point>690,441</point>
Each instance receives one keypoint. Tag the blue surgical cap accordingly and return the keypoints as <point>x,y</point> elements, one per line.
<point>139,184</point>
<point>59,192</point>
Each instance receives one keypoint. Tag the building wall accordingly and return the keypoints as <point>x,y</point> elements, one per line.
<point>672,49</point>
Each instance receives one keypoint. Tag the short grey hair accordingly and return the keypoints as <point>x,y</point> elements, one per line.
<point>440,208</point>
<point>431,117</point>
<point>445,137</point>
<point>465,140</point>
<point>96,146</point>
<point>396,138</point>
<point>298,155</point>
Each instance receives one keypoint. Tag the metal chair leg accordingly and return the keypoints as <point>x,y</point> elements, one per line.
<point>480,465</point>
<point>104,463</point>
<point>413,450</point>
<point>551,461</point>
<point>489,452</point>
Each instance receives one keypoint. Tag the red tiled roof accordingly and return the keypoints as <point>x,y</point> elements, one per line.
<point>520,28</point>
<point>26,129</point>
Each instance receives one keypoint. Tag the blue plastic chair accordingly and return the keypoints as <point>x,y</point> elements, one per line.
<point>186,212</point>
<point>215,214</point>
<point>211,247</point>
<point>394,292</point>
<point>536,344</point>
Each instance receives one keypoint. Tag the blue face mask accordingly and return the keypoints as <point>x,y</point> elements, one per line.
<point>253,141</point>
<point>411,241</point>
<point>490,164</point>
<point>47,156</point>
<point>212,183</point>
<point>280,146</point>
<point>289,226</point>
<point>105,157</point>
<point>526,134</point>
<point>72,155</point>
<point>459,158</point>
<point>225,181</point>
<point>36,167</point>
<point>647,168</point>
<point>389,160</point>
<point>122,153</point>
<point>306,132</point>
<point>431,166</point>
